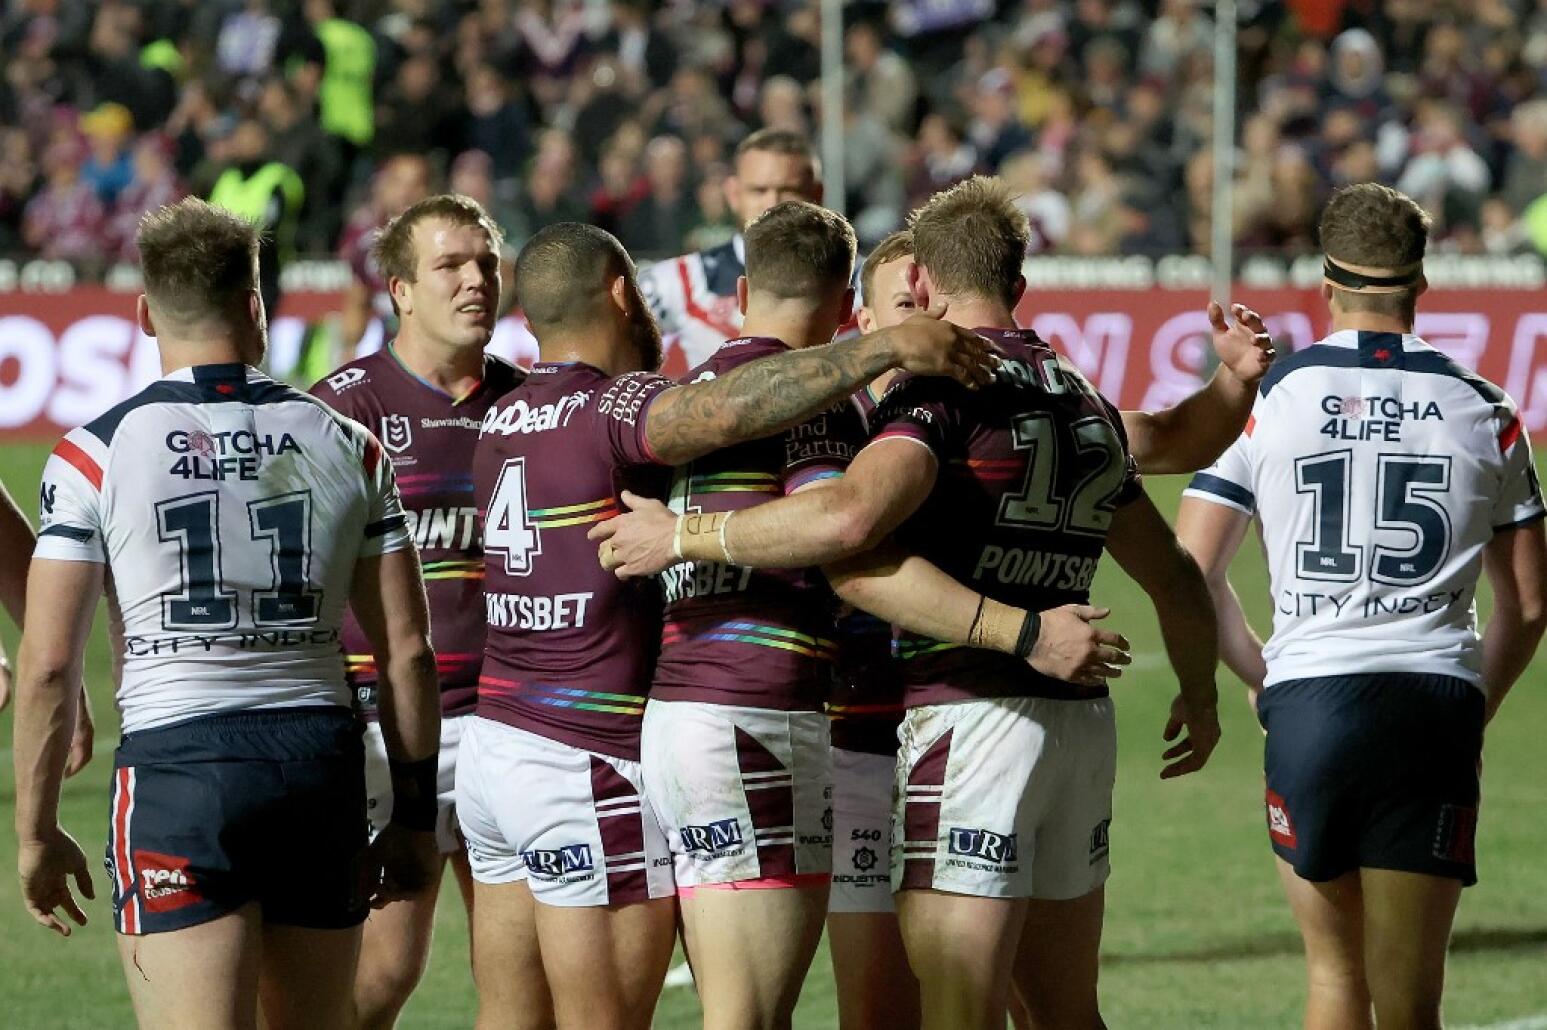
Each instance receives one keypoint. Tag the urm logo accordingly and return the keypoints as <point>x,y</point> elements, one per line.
<point>720,835</point>
<point>551,863</point>
<point>985,844</point>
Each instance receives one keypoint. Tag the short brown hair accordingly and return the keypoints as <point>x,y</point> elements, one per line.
<point>1375,226</point>
<point>777,141</point>
<point>199,262</point>
<point>394,246</point>
<point>898,245</point>
<point>972,238</point>
<point>797,250</point>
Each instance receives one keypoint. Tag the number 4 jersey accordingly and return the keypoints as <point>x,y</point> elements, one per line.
<point>1380,469</point>
<point>230,511</point>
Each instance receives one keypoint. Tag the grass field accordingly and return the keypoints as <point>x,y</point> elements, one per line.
<point>1197,933</point>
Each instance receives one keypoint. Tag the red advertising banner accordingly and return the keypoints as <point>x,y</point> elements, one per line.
<point>67,357</point>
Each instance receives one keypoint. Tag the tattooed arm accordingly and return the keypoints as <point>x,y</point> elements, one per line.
<point>769,395</point>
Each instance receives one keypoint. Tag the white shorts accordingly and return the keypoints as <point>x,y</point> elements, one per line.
<point>378,782</point>
<point>1006,798</point>
<point>743,792</point>
<point>570,822</point>
<point>862,831</point>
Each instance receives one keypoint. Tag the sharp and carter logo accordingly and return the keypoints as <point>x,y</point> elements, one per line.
<point>720,837</point>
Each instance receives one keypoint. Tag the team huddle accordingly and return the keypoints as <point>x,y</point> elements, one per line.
<point>801,639</point>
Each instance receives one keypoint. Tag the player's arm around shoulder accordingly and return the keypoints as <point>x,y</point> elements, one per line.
<point>1189,436</point>
<point>1149,552</point>
<point>775,393</point>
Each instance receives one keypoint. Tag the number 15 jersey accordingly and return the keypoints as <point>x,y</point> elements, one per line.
<point>1380,469</point>
<point>230,510</point>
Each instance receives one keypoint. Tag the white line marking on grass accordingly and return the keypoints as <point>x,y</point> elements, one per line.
<point>1536,1022</point>
<point>679,976</point>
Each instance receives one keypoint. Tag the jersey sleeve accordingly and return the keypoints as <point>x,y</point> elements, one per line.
<point>1518,501</point>
<point>620,415</point>
<point>1132,486</point>
<point>913,410</point>
<point>1229,480</point>
<point>386,525</point>
<point>70,501</point>
<point>821,448</point>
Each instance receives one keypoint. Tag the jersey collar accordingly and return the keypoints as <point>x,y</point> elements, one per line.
<point>224,372</point>
<point>416,377</point>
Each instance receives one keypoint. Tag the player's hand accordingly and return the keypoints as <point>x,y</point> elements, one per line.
<point>405,863</point>
<point>927,345</point>
<point>639,541</point>
<point>82,740</point>
<point>1245,348</point>
<point>1070,648</point>
<point>45,867</point>
<point>1192,752</point>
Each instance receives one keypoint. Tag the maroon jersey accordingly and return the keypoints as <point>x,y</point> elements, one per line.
<point>430,437</point>
<point>1031,469</point>
<point>864,705</point>
<point>570,647</point>
<point>760,638</point>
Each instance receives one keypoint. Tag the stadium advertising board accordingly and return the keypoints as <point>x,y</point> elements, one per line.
<point>67,356</point>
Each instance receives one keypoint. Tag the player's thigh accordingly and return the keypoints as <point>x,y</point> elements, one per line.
<point>1057,961</point>
<point>962,949</point>
<point>507,961</point>
<point>752,947</point>
<point>1407,924</point>
<point>876,987</point>
<point>202,977</point>
<point>605,965</point>
<point>743,793</point>
<point>395,948</point>
<point>1330,915</point>
<point>308,977</point>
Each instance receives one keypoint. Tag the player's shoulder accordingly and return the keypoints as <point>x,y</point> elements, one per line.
<point>733,354</point>
<point>501,375</point>
<point>352,377</point>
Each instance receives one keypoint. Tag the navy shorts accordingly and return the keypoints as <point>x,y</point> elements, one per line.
<point>216,812</point>
<point>1376,771</point>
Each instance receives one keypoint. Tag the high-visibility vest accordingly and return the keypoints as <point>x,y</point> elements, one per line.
<point>344,98</point>
<point>247,196</point>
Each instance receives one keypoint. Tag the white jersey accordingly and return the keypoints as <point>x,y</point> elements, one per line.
<point>230,511</point>
<point>693,298</point>
<point>1380,469</point>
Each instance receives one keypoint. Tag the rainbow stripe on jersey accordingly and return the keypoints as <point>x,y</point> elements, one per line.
<point>562,697</point>
<point>739,631</point>
<point>573,514</point>
<point>457,568</point>
<point>734,483</point>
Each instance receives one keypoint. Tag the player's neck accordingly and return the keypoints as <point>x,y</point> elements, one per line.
<point>452,370</point>
<point>1369,322</point>
<point>595,348</point>
<point>974,312</point>
<point>206,350</point>
<point>798,326</point>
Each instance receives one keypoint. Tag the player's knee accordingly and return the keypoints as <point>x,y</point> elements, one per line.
<point>385,982</point>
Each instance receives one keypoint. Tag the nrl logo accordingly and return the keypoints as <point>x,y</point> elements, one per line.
<point>397,433</point>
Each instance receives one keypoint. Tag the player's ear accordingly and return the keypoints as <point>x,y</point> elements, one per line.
<point>402,295</point>
<point>847,311</point>
<point>866,320</point>
<point>1423,285</point>
<point>142,316</point>
<point>620,294</point>
<point>918,284</point>
<point>1017,291</point>
<point>741,294</point>
<point>1327,292</point>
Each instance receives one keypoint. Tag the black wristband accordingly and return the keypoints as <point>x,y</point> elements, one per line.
<point>1031,628</point>
<point>413,793</point>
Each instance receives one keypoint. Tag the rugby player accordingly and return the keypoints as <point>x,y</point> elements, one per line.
<point>549,783</point>
<point>425,395</point>
<point>875,986</point>
<point>694,296</point>
<point>237,517</point>
<point>972,486</point>
<point>1378,516</point>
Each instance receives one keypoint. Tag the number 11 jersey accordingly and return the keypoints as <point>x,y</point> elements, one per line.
<point>1380,469</point>
<point>230,510</point>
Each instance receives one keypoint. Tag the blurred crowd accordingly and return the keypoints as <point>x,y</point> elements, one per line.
<point>625,112</point>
